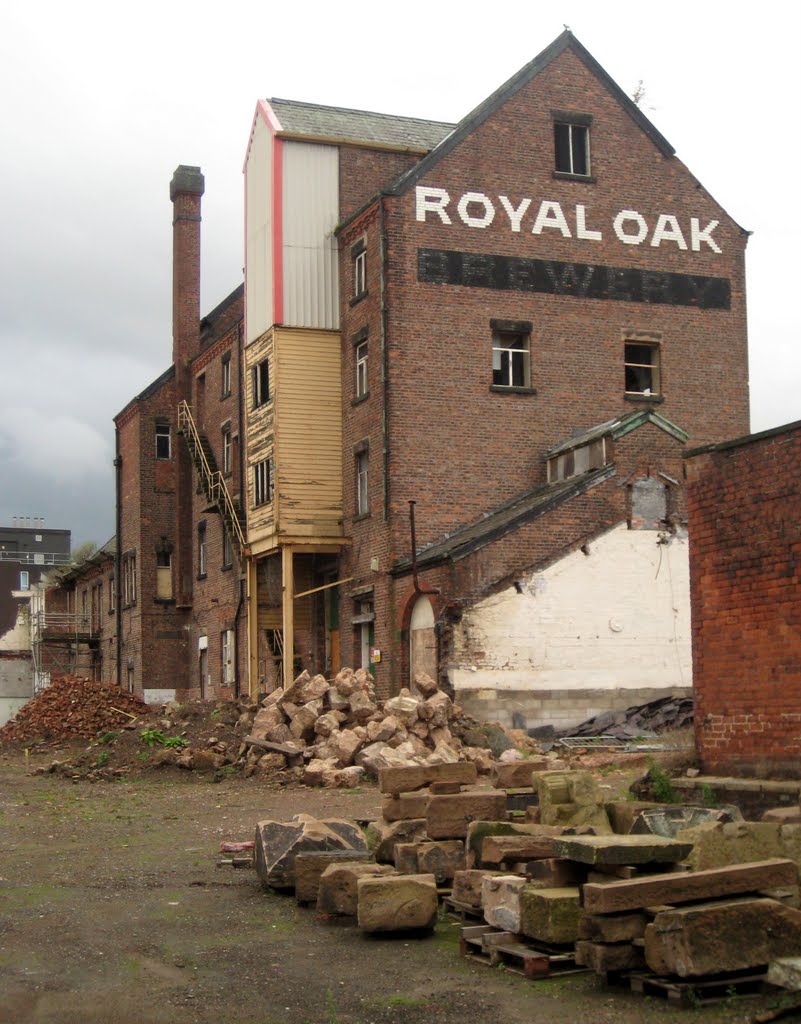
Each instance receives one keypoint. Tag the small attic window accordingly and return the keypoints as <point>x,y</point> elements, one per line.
<point>577,461</point>
<point>571,132</point>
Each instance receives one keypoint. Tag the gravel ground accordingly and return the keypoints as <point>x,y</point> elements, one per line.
<point>112,909</point>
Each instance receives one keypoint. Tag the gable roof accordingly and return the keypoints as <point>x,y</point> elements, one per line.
<point>618,428</point>
<point>566,41</point>
<point>358,127</point>
<point>502,520</point>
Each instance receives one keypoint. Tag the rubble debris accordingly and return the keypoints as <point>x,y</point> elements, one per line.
<point>73,707</point>
<point>642,720</point>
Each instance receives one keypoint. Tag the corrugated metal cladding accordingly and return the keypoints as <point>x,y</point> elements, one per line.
<point>259,229</point>
<point>311,211</point>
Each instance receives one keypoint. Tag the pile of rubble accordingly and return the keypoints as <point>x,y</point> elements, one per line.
<point>71,708</point>
<point>575,880</point>
<point>341,733</point>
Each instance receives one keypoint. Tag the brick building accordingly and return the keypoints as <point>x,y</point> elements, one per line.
<point>745,545</point>
<point>516,323</point>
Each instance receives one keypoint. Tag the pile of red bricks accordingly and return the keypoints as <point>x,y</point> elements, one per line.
<point>72,707</point>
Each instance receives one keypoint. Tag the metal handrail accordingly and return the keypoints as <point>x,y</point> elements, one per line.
<point>35,557</point>
<point>215,482</point>
<point>63,622</point>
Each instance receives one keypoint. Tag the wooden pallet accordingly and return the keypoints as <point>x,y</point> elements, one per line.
<point>462,911</point>
<point>494,948</point>
<point>694,991</point>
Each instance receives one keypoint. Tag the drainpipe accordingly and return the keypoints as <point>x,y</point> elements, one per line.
<point>118,553</point>
<point>415,580</point>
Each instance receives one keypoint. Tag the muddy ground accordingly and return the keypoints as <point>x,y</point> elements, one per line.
<point>112,909</point>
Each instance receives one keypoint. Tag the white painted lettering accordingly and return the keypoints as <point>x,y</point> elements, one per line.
<point>639,220</point>
<point>476,199</point>
<point>582,231</point>
<point>433,200</point>
<point>550,216</point>
<point>698,235</point>
<point>667,230</point>
<point>515,215</point>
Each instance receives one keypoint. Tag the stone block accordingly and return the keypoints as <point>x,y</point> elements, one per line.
<point>467,885</point>
<point>385,835</point>
<point>727,935</point>
<point>425,685</point>
<point>404,805</point>
<point>397,903</point>
<point>504,849</point>
<point>602,957</point>
<point>449,816</point>
<point>630,849</point>
<point>739,842</point>
<point>552,873</point>
<point>517,775</point>
<point>550,915</point>
<point>500,901</point>
<point>337,893</point>
<point>678,887</point>
<point>478,831</point>
<point>406,858</point>
<point>785,973</point>
<point>571,798</point>
<point>309,867</point>
<point>612,927</point>
<point>408,779</point>
<point>265,720</point>
<point>279,842</point>
<point>441,859</point>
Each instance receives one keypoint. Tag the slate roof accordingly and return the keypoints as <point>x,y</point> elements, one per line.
<point>358,126</point>
<point>504,519</point>
<point>618,428</point>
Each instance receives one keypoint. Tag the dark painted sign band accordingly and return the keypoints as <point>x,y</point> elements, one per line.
<point>581,280</point>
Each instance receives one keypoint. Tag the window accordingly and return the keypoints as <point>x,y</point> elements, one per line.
<point>511,355</point>
<point>164,574</point>
<point>228,551</point>
<point>359,256</point>
<point>362,482</point>
<point>261,383</point>
<point>227,649</point>
<point>24,580</point>
<point>225,375</point>
<point>641,365</point>
<point>362,388</point>
<point>129,578</point>
<point>112,594</point>
<point>202,564</point>
<point>364,625</point>
<point>263,483</point>
<point>227,452</point>
<point>163,447</point>
<point>571,134</point>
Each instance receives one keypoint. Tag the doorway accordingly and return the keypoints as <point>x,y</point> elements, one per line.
<point>422,641</point>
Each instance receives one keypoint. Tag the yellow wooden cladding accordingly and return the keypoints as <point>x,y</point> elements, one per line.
<point>300,428</point>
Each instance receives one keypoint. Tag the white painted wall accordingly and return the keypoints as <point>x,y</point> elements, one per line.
<point>618,617</point>
<point>259,231</point>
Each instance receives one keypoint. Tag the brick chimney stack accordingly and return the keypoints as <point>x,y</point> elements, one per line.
<point>186,190</point>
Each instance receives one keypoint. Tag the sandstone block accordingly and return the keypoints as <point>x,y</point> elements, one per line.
<point>387,834</point>
<point>448,816</point>
<point>441,859</point>
<point>266,719</point>
<point>318,770</point>
<point>500,899</point>
<point>425,685</point>
<point>628,849</point>
<point>785,973</point>
<point>550,915</point>
<point>552,873</point>
<point>406,858</point>
<point>345,744</point>
<point>467,885</point>
<point>347,778</point>
<point>612,927</point>
<point>399,903</point>
<point>444,751</point>
<point>478,831</point>
<point>404,708</point>
<point>328,723</point>
<point>338,886</point>
<point>291,693</point>
<point>317,687</point>
<point>727,935</point>
<point>279,842</point>
<point>602,957</point>
<point>404,805</point>
<point>499,849</point>
<point>737,842</point>
<point>517,775</point>
<point>361,707</point>
<point>309,867</point>
<point>404,780</point>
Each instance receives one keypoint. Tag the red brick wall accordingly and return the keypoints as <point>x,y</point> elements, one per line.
<point>745,553</point>
<point>453,445</point>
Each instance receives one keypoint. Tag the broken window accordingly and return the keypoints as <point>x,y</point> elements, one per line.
<point>202,560</point>
<point>227,451</point>
<point>227,649</point>
<point>362,482</point>
<point>263,482</point>
<point>228,551</point>
<point>163,447</point>
<point>225,368</point>
<point>572,148</point>
<point>260,376</point>
<point>359,256</point>
<point>129,578</point>
<point>641,365</point>
<point>511,358</point>
<point>164,572</point>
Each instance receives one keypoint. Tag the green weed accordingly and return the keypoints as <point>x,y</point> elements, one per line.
<point>152,737</point>
<point>102,759</point>
<point>175,741</point>
<point>107,737</point>
<point>664,793</point>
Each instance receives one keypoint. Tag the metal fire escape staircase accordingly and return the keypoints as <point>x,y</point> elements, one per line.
<point>211,479</point>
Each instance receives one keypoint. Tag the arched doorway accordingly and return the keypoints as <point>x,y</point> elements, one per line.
<point>422,641</point>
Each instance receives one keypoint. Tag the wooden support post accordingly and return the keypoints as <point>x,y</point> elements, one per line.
<point>253,627</point>
<point>288,579</point>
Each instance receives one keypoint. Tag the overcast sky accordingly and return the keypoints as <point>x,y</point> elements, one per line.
<point>102,101</point>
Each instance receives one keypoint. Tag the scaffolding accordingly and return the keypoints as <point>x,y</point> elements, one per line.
<point>61,644</point>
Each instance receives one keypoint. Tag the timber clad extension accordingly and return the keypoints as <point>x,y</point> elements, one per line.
<point>517,323</point>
